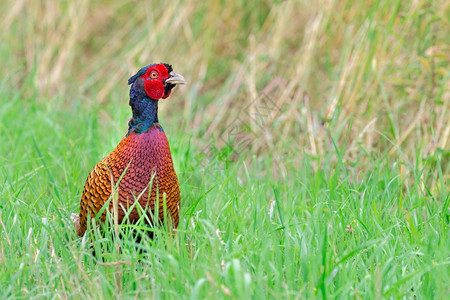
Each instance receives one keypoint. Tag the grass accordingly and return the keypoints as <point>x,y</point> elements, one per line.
<point>311,144</point>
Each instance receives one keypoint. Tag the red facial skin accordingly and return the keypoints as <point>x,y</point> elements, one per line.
<point>154,86</point>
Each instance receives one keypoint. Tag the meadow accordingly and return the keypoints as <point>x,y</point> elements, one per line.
<point>311,144</point>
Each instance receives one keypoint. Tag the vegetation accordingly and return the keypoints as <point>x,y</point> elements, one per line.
<point>311,144</point>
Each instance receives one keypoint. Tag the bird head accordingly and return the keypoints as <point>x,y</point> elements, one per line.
<point>157,80</point>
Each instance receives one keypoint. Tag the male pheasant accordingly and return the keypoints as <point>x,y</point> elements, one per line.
<point>142,158</point>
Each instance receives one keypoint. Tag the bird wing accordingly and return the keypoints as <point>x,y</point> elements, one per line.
<point>96,193</point>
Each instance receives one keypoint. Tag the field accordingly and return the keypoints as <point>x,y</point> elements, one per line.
<point>312,145</point>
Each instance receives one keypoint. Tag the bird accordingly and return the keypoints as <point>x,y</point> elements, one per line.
<point>141,163</point>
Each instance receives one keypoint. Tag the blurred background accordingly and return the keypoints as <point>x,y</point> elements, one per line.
<point>279,78</point>
<point>311,144</point>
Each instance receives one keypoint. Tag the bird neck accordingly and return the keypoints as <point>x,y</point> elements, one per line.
<point>145,111</point>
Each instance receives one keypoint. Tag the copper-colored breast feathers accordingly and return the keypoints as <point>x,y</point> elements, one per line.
<point>147,156</point>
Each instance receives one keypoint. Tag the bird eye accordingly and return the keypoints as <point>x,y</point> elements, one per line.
<point>153,74</point>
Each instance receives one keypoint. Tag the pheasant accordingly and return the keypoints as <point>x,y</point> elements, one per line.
<point>142,158</point>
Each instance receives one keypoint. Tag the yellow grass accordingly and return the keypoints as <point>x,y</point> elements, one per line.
<point>371,75</point>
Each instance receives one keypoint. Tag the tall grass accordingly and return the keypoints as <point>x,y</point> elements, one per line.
<point>311,144</point>
<point>380,65</point>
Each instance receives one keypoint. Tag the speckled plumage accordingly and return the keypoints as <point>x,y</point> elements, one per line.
<point>144,155</point>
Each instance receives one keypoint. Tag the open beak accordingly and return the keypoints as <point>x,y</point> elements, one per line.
<point>175,78</point>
